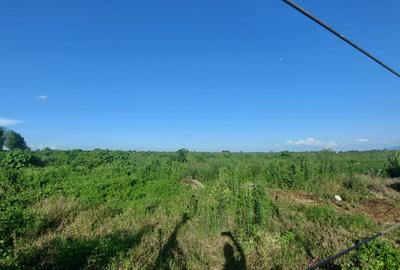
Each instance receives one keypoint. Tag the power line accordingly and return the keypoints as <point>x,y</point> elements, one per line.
<point>359,244</point>
<point>342,37</point>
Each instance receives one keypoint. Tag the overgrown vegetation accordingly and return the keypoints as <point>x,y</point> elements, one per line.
<point>376,256</point>
<point>128,210</point>
<point>19,159</point>
<point>393,169</point>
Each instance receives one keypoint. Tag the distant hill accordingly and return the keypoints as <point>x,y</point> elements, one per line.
<point>393,148</point>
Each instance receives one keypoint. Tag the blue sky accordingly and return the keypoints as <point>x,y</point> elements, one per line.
<point>206,75</point>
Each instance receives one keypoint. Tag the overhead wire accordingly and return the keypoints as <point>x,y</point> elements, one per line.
<point>325,261</point>
<point>342,37</point>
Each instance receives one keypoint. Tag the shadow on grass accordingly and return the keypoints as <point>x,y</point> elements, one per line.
<point>395,186</point>
<point>171,251</point>
<point>231,262</point>
<point>331,266</point>
<point>78,253</point>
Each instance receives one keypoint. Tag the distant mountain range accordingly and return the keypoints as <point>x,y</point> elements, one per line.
<point>393,148</point>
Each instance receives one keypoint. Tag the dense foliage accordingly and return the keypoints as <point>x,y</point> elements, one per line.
<point>14,140</point>
<point>11,139</point>
<point>19,159</point>
<point>393,169</point>
<point>127,210</point>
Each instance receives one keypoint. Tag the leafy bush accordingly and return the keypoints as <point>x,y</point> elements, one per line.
<point>377,255</point>
<point>393,169</point>
<point>12,222</point>
<point>101,157</point>
<point>19,159</point>
<point>182,155</point>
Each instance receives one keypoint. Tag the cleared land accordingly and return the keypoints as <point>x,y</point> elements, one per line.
<point>143,210</point>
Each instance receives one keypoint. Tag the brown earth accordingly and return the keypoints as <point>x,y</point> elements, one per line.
<point>380,211</point>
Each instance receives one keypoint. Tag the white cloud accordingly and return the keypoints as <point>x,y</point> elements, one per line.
<point>312,142</point>
<point>42,97</point>
<point>361,140</point>
<point>4,122</point>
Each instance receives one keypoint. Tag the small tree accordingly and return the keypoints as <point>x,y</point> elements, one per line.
<point>14,140</point>
<point>182,155</point>
<point>2,138</point>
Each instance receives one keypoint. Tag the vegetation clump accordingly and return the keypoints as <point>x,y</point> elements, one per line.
<point>182,155</point>
<point>19,159</point>
<point>375,256</point>
<point>393,168</point>
<point>11,140</point>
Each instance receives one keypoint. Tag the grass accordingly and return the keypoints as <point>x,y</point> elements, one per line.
<point>128,210</point>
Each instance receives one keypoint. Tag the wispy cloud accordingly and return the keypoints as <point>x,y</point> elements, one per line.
<point>5,122</point>
<point>361,140</point>
<point>42,97</point>
<point>312,142</point>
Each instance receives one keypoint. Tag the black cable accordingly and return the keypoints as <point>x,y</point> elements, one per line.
<point>356,246</point>
<point>330,29</point>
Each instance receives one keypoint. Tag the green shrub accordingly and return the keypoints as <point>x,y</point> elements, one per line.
<point>377,255</point>
<point>393,168</point>
<point>13,220</point>
<point>99,157</point>
<point>181,155</point>
<point>19,159</point>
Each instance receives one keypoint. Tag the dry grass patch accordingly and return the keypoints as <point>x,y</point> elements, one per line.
<point>293,197</point>
<point>53,214</point>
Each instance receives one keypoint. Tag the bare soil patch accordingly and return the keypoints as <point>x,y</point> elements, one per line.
<point>380,211</point>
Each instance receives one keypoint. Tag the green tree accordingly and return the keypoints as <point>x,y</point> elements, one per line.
<point>14,140</point>
<point>2,138</point>
<point>182,155</point>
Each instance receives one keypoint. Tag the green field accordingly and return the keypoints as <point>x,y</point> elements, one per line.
<point>131,210</point>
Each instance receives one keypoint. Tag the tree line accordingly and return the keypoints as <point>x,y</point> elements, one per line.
<point>11,140</point>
